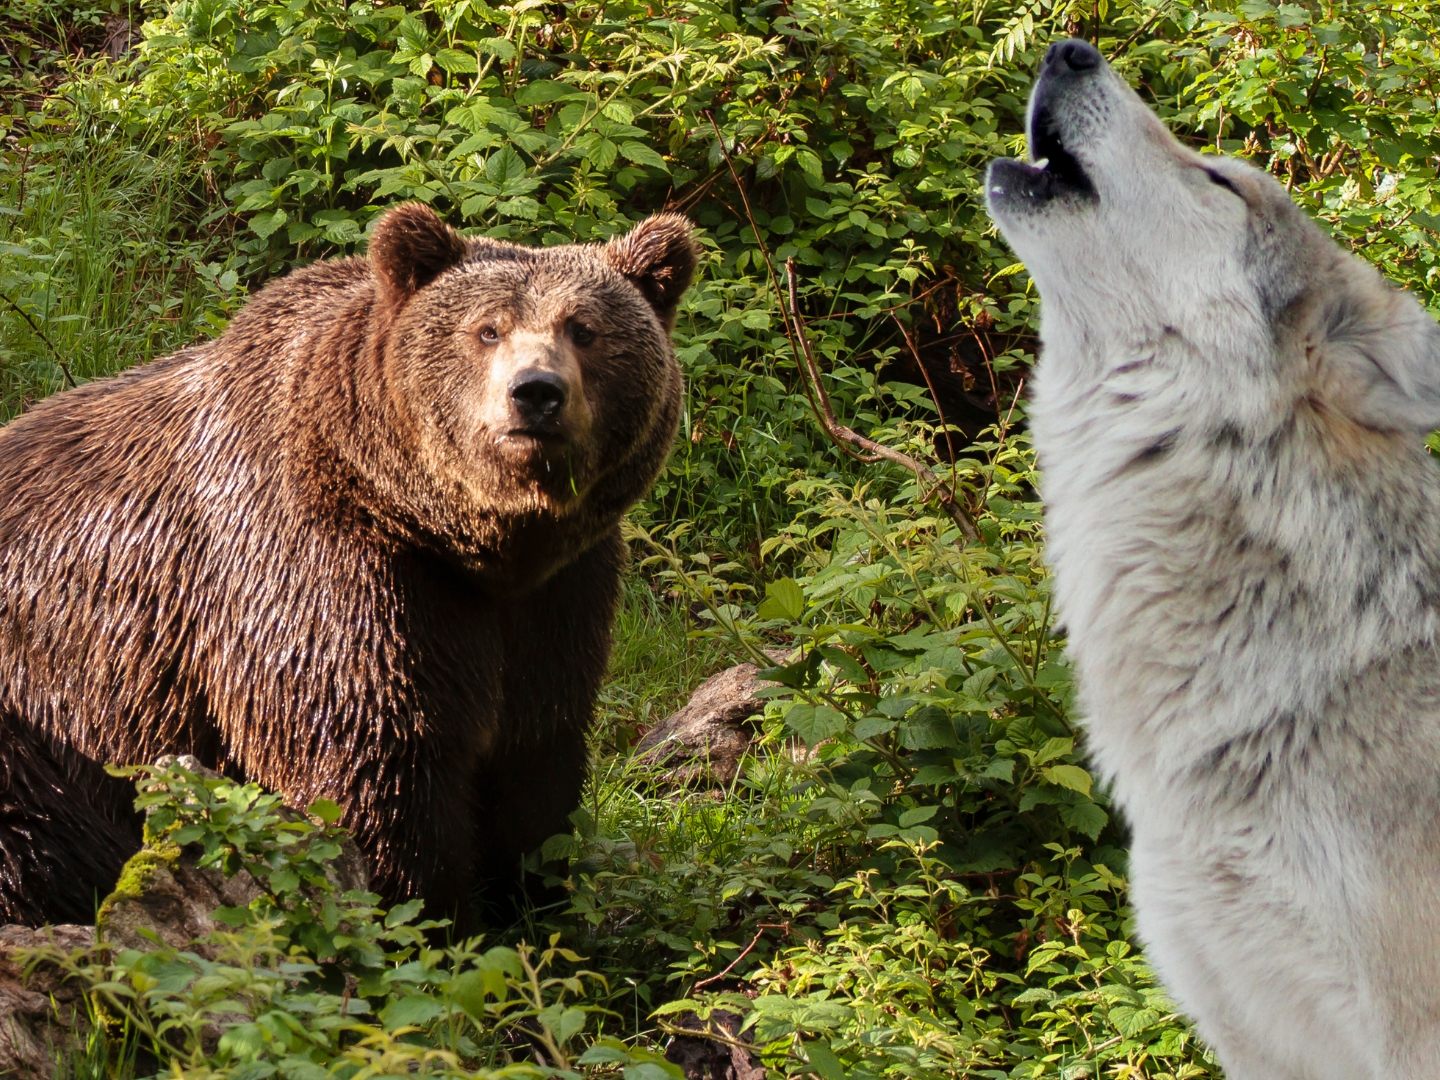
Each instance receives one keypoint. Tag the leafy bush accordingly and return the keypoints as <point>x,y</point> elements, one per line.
<point>308,980</point>
<point>948,899</point>
<point>918,876</point>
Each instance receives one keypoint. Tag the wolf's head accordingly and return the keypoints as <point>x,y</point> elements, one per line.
<point>1127,233</point>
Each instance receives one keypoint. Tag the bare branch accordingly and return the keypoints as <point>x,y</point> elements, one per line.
<point>845,438</point>
<point>840,433</point>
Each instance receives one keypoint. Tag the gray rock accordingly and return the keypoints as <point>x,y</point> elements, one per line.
<point>703,742</point>
<point>42,1014</point>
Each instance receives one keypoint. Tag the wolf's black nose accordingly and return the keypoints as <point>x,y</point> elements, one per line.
<point>538,395</point>
<point>1074,54</point>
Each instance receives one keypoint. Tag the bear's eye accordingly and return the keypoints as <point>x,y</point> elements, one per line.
<point>489,335</point>
<point>581,334</point>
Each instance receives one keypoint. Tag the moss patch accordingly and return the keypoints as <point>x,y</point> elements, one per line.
<point>138,875</point>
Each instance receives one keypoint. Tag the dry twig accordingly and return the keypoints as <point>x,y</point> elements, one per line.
<point>869,448</point>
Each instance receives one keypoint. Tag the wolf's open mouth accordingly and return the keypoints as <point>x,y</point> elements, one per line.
<point>1052,172</point>
<point>1048,153</point>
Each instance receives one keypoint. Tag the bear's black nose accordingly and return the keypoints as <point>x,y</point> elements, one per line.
<point>1074,54</point>
<point>539,395</point>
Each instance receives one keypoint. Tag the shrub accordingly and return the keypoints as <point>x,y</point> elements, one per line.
<point>308,980</point>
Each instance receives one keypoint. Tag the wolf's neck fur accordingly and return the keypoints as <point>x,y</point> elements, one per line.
<point>1216,572</point>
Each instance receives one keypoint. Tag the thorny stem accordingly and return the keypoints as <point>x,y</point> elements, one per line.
<point>785,926</point>
<point>929,385</point>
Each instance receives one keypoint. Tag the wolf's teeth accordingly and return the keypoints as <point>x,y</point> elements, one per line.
<point>1042,163</point>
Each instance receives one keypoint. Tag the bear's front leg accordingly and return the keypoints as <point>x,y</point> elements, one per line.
<point>418,837</point>
<point>556,647</point>
<point>66,829</point>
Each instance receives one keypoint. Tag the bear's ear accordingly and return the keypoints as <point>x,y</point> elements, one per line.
<point>409,248</point>
<point>1382,351</point>
<point>659,256</point>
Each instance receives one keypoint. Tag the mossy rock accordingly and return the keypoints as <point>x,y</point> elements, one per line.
<point>162,895</point>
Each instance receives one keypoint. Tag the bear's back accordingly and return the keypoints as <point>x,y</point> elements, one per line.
<point>148,524</point>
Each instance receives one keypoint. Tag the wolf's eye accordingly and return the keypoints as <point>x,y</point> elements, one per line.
<point>489,335</point>
<point>1221,180</point>
<point>581,334</point>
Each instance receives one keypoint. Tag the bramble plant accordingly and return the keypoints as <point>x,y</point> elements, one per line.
<point>916,875</point>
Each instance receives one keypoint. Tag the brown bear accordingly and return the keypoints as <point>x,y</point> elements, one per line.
<point>364,545</point>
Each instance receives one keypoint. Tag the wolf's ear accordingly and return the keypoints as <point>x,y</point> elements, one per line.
<point>1383,351</point>
<point>659,257</point>
<point>409,248</point>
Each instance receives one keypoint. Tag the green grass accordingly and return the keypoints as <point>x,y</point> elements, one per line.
<point>103,260</point>
<point>657,660</point>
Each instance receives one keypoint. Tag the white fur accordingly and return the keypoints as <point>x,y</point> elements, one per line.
<point>1245,535</point>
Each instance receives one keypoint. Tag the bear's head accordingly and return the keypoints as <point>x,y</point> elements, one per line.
<point>539,386</point>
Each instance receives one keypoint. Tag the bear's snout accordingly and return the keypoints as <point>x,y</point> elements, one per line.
<point>538,397</point>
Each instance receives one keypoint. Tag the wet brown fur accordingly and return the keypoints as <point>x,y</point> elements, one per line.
<point>306,554</point>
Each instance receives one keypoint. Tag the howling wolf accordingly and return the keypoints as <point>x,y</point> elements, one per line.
<point>1244,528</point>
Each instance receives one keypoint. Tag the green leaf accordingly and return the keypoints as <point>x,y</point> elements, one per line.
<point>784,599</point>
<point>401,914</point>
<point>823,1060</point>
<point>652,1070</point>
<point>470,989</point>
<point>567,1023</point>
<point>1068,776</point>
<point>455,62</point>
<point>870,727</point>
<point>814,724</point>
<point>928,728</point>
<point>327,810</point>
<point>1000,768</point>
<point>504,165</point>
<point>642,154</point>
<point>266,225</point>
<point>242,1041</point>
<point>497,47</point>
<point>916,815</point>
<point>602,153</point>
<point>809,162</point>
<point>1086,818</point>
<point>414,1010</point>
<point>1054,748</point>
